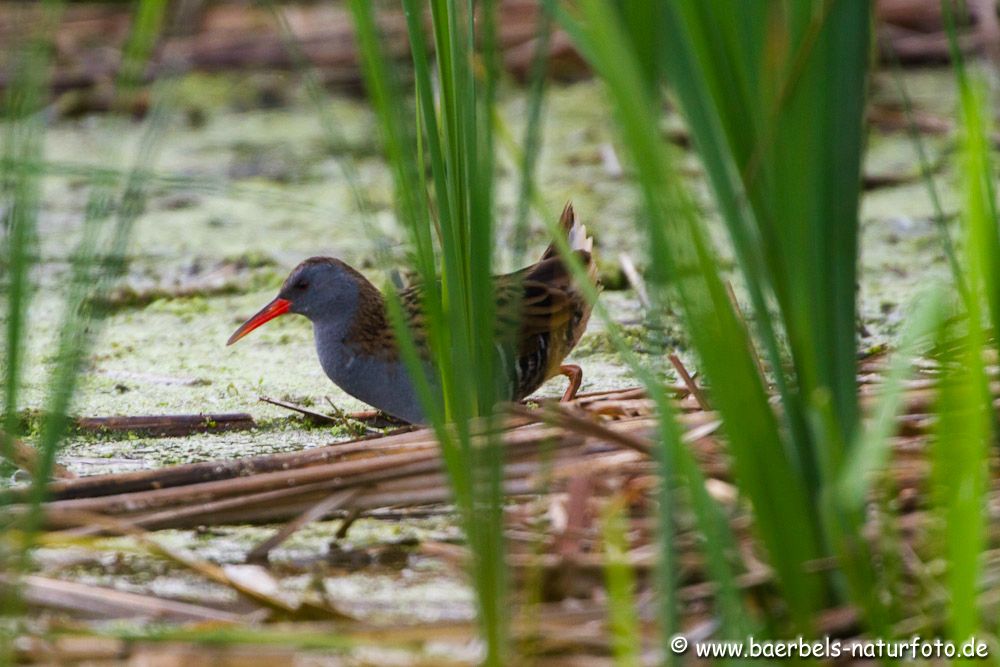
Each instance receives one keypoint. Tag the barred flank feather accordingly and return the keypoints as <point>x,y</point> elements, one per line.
<point>540,303</point>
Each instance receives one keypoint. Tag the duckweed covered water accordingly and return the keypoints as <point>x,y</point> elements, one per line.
<point>254,192</point>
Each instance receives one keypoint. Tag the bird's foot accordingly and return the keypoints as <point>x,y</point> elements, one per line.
<point>575,376</point>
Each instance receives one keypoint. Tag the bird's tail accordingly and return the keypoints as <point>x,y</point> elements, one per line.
<point>576,235</point>
<point>581,243</point>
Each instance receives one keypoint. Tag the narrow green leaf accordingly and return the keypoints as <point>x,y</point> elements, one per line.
<point>786,519</point>
<point>845,502</point>
<point>623,620</point>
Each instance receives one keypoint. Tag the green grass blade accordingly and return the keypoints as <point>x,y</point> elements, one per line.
<point>532,134</point>
<point>674,460</point>
<point>94,266</point>
<point>454,129</point>
<point>965,411</point>
<point>623,619</point>
<point>22,141</point>
<point>707,81</point>
<point>927,174</point>
<point>147,23</point>
<point>846,502</point>
<point>959,479</point>
<point>870,450</point>
<point>785,519</point>
<point>759,87</point>
<point>819,193</point>
<point>21,190</point>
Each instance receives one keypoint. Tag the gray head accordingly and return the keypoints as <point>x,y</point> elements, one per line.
<point>321,288</point>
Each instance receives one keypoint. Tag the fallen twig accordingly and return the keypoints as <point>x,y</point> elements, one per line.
<point>168,425</point>
<point>696,391</point>
<point>228,577</point>
<point>25,457</point>
<point>408,471</point>
<point>554,413</point>
<point>311,415</point>
<point>635,279</point>
<point>105,603</point>
<point>318,511</point>
<point>193,473</point>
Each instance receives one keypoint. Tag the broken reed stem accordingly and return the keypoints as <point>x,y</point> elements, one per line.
<point>692,386</point>
<point>634,279</point>
<point>403,469</point>
<point>554,414</point>
<point>99,602</point>
<point>206,569</point>
<point>317,512</point>
<point>25,457</point>
<point>753,350</point>
<point>622,402</point>
<point>311,415</point>
<point>281,494</point>
<point>193,473</point>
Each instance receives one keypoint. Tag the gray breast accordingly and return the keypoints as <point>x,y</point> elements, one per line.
<point>381,384</point>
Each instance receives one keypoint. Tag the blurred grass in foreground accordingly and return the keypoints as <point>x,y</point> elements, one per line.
<point>98,260</point>
<point>448,212</point>
<point>773,94</point>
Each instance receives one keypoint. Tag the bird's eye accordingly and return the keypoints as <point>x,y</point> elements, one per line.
<point>301,285</point>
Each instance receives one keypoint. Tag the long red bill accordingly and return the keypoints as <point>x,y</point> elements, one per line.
<point>277,307</point>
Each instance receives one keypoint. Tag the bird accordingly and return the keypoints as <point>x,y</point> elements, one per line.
<point>356,344</point>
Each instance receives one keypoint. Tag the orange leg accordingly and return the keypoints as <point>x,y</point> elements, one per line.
<point>575,375</point>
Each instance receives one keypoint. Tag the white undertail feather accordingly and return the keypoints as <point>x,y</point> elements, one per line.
<point>578,239</point>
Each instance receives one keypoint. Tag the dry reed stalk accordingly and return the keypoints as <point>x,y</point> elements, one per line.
<point>278,492</point>
<point>688,380</point>
<point>25,457</point>
<point>104,603</point>
<point>168,425</point>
